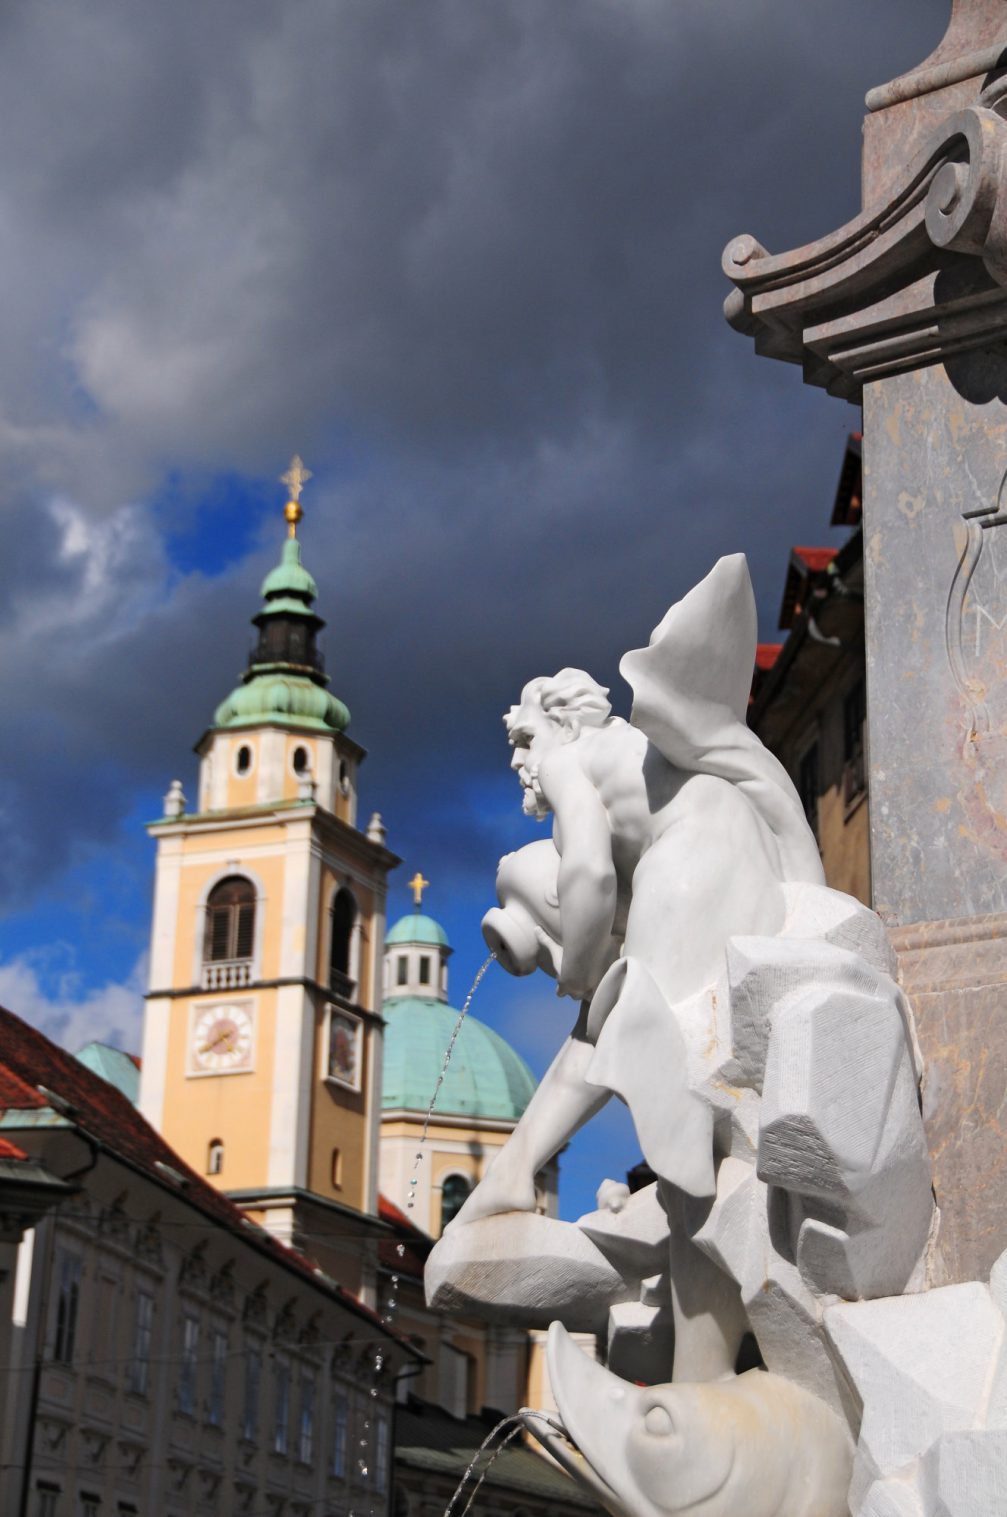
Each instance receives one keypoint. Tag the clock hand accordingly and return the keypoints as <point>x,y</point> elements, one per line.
<point>225,1038</point>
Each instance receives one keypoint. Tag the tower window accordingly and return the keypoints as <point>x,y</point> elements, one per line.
<point>300,760</point>
<point>343,918</point>
<point>344,777</point>
<point>215,1157</point>
<point>230,920</point>
<point>424,969</point>
<point>243,760</point>
<point>454,1194</point>
<point>402,970</point>
<point>337,1169</point>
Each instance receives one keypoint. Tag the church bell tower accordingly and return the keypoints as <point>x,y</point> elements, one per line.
<point>262,1050</point>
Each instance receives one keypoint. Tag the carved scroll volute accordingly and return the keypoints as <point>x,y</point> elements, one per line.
<point>966,208</point>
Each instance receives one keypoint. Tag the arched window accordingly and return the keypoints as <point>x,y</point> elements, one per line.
<point>454,1194</point>
<point>230,920</point>
<point>343,918</point>
<point>215,1157</point>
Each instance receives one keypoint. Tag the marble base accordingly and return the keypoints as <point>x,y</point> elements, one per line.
<point>955,975</point>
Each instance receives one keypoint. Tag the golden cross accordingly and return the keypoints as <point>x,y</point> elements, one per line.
<point>417,885</point>
<point>295,479</point>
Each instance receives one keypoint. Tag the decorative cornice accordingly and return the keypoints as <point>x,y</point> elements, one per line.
<point>909,282</point>
<point>972,45</point>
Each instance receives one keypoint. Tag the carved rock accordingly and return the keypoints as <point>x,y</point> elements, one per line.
<point>517,1266</point>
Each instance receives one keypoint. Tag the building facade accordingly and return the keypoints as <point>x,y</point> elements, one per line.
<point>809,693</point>
<point>167,1355</point>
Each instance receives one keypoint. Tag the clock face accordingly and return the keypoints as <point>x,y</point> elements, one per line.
<point>222,1040</point>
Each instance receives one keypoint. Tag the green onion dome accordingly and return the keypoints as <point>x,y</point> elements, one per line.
<point>285,699</point>
<point>485,1078</point>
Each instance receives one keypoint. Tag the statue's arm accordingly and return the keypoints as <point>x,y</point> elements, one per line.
<point>587,883</point>
<point>562,1103</point>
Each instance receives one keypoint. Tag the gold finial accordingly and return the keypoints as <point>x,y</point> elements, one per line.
<point>295,479</point>
<point>417,885</point>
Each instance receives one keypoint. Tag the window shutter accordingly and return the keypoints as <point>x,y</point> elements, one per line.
<point>245,930</point>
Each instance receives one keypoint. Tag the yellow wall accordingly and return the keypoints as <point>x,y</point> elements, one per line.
<point>230,1107</point>
<point>844,837</point>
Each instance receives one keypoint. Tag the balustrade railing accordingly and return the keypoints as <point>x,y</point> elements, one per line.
<point>227,974</point>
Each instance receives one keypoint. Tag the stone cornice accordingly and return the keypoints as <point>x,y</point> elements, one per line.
<point>909,282</point>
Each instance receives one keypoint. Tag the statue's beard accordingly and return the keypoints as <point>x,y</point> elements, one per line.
<point>533,801</point>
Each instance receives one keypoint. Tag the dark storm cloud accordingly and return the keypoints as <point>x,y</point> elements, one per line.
<point>464,254</point>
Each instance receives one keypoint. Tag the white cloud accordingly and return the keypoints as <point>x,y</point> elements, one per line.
<point>111,1013</point>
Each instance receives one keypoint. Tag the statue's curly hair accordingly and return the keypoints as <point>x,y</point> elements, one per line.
<point>570,696</point>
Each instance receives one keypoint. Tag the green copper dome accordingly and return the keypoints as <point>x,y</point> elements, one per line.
<point>285,698</point>
<point>485,1078</point>
<point>417,928</point>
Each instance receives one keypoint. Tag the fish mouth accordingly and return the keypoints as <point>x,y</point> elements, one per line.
<point>556,1441</point>
<point>599,1413</point>
<point>593,1405</point>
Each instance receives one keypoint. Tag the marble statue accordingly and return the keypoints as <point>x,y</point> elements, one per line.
<point>749,1017</point>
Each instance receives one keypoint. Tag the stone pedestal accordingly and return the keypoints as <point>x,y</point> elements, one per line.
<point>905,310</point>
<point>955,973</point>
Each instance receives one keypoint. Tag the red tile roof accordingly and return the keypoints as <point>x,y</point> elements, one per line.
<point>806,564</point>
<point>816,559</point>
<point>415,1243</point>
<point>29,1060</point>
<point>766,654</point>
<point>11,1150</point>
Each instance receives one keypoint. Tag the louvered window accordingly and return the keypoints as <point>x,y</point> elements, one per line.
<point>230,920</point>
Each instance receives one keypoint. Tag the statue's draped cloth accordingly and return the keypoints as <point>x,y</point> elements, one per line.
<point>690,696</point>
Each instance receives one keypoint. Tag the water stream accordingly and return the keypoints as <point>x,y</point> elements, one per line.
<point>521,1420</point>
<point>391,1305</point>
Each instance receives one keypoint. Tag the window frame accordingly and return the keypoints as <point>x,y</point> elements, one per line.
<point>217,1398</point>
<point>339,1443</point>
<point>143,1341</point>
<point>231,924</point>
<point>381,1465</point>
<point>66,1307</point>
<point>280,1443</point>
<point>188,1364</point>
<point>306,1417</point>
<point>251,1391</point>
<point>468,1181</point>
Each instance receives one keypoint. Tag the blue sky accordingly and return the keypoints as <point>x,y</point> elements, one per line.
<point>465,258</point>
